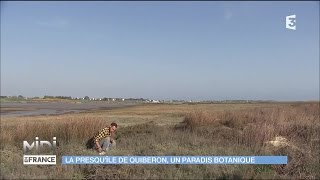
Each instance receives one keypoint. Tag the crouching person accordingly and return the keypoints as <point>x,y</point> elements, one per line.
<point>103,141</point>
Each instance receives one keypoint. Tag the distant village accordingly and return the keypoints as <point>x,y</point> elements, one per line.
<point>108,99</point>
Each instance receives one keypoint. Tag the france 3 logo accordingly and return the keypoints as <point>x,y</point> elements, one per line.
<point>31,157</point>
<point>291,22</point>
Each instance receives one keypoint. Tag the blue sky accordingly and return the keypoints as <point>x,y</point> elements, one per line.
<point>165,50</point>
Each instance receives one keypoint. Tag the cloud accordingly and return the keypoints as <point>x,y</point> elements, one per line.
<point>227,14</point>
<point>54,23</point>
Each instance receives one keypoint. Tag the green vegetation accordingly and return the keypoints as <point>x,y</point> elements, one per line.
<point>12,99</point>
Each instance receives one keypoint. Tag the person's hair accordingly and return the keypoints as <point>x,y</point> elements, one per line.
<point>114,124</point>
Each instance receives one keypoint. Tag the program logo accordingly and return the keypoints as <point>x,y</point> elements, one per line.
<point>291,22</point>
<point>41,147</point>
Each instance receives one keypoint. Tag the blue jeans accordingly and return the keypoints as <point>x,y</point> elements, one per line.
<point>106,144</point>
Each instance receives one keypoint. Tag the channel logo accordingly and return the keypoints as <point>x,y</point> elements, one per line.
<point>49,158</point>
<point>291,22</point>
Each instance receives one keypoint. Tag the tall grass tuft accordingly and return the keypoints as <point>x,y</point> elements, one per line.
<point>298,124</point>
<point>68,130</point>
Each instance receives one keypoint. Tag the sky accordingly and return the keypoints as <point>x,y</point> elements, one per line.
<point>160,50</point>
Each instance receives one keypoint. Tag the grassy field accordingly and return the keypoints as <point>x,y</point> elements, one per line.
<point>184,129</point>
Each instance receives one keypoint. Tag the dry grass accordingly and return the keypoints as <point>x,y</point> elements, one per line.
<point>205,130</point>
<point>66,130</point>
<point>299,124</point>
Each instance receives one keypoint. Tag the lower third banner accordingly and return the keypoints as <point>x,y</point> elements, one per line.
<point>174,159</point>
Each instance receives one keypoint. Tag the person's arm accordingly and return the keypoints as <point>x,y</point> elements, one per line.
<point>99,149</point>
<point>97,139</point>
<point>112,136</point>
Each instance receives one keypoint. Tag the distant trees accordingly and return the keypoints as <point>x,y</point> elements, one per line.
<point>136,99</point>
<point>106,99</point>
<point>48,97</point>
<point>57,97</point>
<point>13,97</point>
<point>63,97</point>
<point>86,98</point>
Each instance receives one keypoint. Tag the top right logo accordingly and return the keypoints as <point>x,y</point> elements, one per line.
<point>291,22</point>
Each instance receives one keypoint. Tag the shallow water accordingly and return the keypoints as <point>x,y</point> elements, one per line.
<point>34,109</point>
